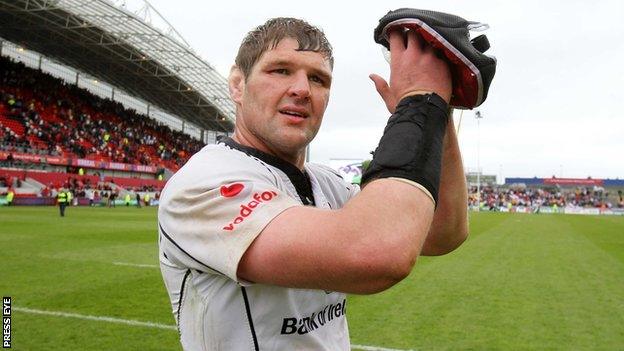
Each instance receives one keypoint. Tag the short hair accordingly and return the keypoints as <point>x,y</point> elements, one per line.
<point>268,35</point>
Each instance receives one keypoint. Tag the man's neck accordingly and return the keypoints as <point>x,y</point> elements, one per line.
<point>297,159</point>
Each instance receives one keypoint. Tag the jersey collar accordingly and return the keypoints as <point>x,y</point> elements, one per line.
<point>299,179</point>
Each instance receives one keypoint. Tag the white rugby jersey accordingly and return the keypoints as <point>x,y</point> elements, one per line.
<point>210,211</point>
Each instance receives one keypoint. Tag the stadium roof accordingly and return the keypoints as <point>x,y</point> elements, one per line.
<point>118,47</point>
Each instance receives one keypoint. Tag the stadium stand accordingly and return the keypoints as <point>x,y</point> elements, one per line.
<point>77,98</point>
<point>555,195</point>
<point>42,117</point>
<point>57,131</point>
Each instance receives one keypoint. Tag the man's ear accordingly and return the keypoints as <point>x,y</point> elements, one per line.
<point>236,84</point>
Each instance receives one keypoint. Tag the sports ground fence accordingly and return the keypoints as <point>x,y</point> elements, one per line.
<point>552,210</point>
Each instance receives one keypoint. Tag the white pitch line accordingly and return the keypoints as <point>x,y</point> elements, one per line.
<point>373,348</point>
<point>97,318</point>
<point>135,265</point>
<point>150,324</point>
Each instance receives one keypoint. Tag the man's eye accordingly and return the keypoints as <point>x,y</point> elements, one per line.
<point>280,71</point>
<point>317,79</point>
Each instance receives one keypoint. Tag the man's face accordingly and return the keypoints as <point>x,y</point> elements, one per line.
<point>282,101</point>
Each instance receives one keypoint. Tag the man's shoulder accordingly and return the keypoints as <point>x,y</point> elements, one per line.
<point>331,182</point>
<point>219,159</point>
<point>214,153</point>
<point>326,175</point>
<point>215,165</point>
<point>322,170</point>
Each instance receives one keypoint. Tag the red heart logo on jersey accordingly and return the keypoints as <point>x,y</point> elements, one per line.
<point>232,189</point>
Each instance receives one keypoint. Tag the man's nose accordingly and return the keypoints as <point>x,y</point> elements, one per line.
<point>300,86</point>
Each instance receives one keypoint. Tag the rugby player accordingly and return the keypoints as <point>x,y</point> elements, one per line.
<point>258,248</point>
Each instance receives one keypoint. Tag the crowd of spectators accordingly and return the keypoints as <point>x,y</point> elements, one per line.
<point>6,182</point>
<point>57,118</point>
<point>81,187</point>
<point>63,119</point>
<point>495,198</point>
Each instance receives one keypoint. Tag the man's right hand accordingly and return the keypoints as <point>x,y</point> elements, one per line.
<point>414,69</point>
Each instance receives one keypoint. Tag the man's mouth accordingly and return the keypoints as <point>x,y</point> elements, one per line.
<point>298,114</point>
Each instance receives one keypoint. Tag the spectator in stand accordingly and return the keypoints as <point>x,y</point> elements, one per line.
<point>9,160</point>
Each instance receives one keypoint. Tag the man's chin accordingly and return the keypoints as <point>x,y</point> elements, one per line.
<point>294,143</point>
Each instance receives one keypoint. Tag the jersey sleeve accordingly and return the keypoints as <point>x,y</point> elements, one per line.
<point>354,189</point>
<point>339,191</point>
<point>208,218</point>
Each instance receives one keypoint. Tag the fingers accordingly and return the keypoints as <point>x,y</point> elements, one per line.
<point>407,42</point>
<point>415,42</point>
<point>384,91</point>
<point>395,38</point>
<point>401,38</point>
<point>414,68</point>
<point>380,84</point>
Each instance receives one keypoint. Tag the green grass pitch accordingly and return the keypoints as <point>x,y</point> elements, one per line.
<point>521,282</point>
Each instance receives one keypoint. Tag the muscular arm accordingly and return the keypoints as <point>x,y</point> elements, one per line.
<point>450,224</point>
<point>450,221</point>
<point>374,240</point>
<point>365,247</point>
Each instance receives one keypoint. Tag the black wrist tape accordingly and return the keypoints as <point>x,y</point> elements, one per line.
<point>411,146</point>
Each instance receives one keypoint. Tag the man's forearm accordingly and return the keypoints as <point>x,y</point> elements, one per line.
<point>449,227</point>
